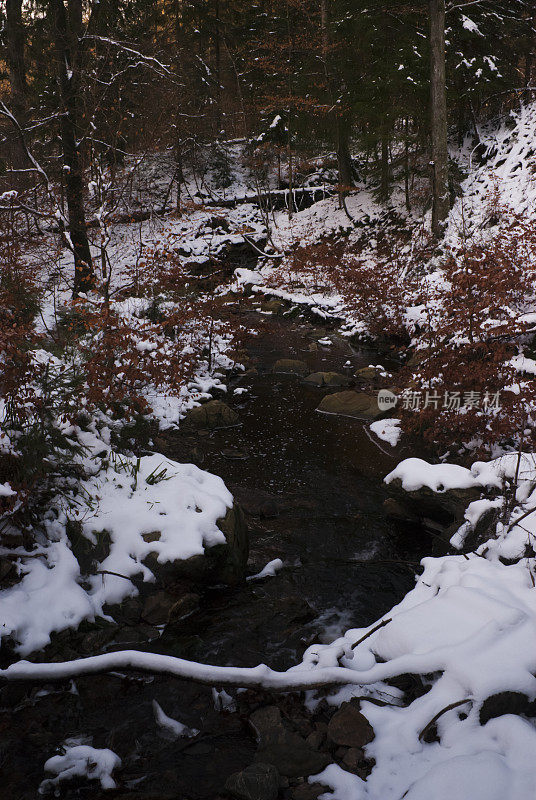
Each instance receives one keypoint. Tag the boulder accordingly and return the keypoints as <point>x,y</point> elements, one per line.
<point>234,554</point>
<point>442,512</point>
<point>273,306</point>
<point>222,563</point>
<point>213,415</point>
<point>285,749</point>
<point>257,782</point>
<point>265,720</point>
<point>162,608</point>
<point>291,366</point>
<point>351,404</point>
<point>367,373</point>
<point>293,758</point>
<point>308,791</point>
<point>327,379</point>
<point>353,758</point>
<point>349,727</point>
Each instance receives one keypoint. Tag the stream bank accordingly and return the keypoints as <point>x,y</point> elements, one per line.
<point>310,486</point>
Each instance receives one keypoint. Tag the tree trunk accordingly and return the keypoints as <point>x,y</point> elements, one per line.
<point>15,40</point>
<point>344,159</point>
<point>385,168</point>
<point>15,57</point>
<point>66,48</point>
<point>438,108</point>
<point>342,120</point>
<point>406,165</point>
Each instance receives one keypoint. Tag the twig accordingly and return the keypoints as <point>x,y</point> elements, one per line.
<point>440,714</point>
<point>377,627</point>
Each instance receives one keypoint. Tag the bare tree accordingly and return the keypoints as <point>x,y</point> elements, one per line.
<point>342,118</point>
<point>66,30</point>
<point>438,113</point>
<point>15,41</point>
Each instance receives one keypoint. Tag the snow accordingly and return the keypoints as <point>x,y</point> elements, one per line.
<point>48,598</point>
<point>81,761</point>
<point>174,506</point>
<point>507,169</point>
<point>388,430</point>
<point>469,628</point>
<point>522,363</point>
<point>469,25</point>
<point>182,504</point>
<point>172,727</point>
<point>414,473</point>
<point>271,569</point>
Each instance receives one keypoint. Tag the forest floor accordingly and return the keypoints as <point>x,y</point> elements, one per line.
<point>339,511</point>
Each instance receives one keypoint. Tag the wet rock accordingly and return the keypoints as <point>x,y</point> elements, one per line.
<point>397,510</point>
<point>96,641</point>
<point>212,415</point>
<point>8,572</point>
<point>162,608</point>
<point>436,510</point>
<point>293,758</point>
<point>234,559</point>
<point>327,379</point>
<point>506,703</point>
<point>11,694</point>
<point>87,553</point>
<point>367,373</point>
<point>218,223</point>
<point>349,727</point>
<point>222,563</point>
<point>316,739</point>
<point>257,782</point>
<point>273,306</point>
<point>484,528</point>
<point>290,366</point>
<point>283,748</point>
<point>351,404</point>
<point>141,795</point>
<point>258,503</point>
<point>265,720</point>
<point>307,791</point>
<point>353,758</point>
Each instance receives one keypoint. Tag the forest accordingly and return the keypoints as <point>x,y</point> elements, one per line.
<point>268,399</point>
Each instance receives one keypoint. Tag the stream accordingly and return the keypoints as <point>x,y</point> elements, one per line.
<point>310,486</point>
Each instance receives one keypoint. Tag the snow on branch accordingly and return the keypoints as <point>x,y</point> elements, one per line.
<point>259,677</point>
<point>149,61</point>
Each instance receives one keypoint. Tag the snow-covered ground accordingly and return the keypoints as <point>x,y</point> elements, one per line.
<point>147,505</point>
<point>467,629</point>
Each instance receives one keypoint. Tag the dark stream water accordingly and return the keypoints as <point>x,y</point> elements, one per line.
<point>311,488</point>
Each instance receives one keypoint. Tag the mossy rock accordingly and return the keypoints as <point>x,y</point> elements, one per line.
<point>351,404</point>
<point>273,306</point>
<point>327,379</point>
<point>367,373</point>
<point>213,415</point>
